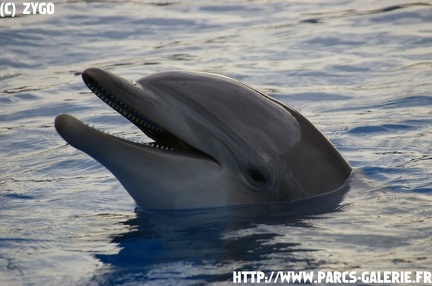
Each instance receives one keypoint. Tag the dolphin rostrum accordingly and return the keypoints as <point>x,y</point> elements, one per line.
<point>217,142</point>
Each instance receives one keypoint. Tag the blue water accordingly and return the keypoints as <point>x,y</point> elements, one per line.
<point>361,71</point>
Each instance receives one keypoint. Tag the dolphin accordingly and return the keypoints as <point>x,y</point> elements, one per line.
<point>216,142</point>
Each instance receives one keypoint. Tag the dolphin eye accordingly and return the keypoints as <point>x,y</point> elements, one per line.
<point>257,176</point>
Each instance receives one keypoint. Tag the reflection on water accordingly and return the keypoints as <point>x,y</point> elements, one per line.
<point>358,71</point>
<point>224,239</point>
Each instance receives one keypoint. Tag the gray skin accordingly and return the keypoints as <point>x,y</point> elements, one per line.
<point>218,142</point>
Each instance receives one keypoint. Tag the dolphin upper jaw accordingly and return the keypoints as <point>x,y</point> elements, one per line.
<point>142,107</point>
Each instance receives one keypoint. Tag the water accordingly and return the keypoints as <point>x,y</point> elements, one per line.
<point>359,70</point>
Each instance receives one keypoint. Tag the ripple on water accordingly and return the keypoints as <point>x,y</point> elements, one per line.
<point>360,73</point>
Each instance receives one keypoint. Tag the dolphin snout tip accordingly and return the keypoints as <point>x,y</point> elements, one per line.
<point>61,121</point>
<point>67,126</point>
<point>93,72</point>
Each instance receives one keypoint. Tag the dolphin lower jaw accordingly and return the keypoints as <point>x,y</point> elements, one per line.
<point>148,173</point>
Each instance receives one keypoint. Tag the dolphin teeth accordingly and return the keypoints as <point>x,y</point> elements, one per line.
<point>135,117</point>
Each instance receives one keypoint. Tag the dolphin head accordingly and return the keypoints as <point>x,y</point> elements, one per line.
<point>216,142</point>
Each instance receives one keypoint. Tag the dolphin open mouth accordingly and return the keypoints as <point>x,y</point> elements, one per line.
<point>162,139</point>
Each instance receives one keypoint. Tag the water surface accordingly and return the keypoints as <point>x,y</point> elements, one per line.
<point>360,71</point>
